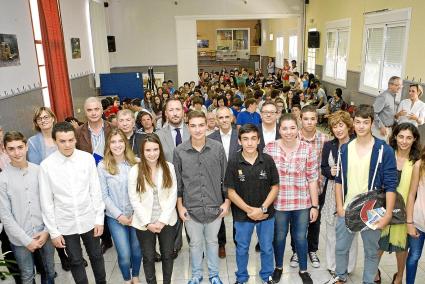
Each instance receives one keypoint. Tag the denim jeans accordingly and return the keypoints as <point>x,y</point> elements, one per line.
<point>415,251</point>
<point>344,239</point>
<point>198,234</point>
<point>298,220</point>
<point>25,260</point>
<point>147,241</point>
<point>75,256</point>
<point>128,248</point>
<point>243,238</point>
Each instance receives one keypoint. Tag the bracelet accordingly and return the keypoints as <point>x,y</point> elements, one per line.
<point>409,223</point>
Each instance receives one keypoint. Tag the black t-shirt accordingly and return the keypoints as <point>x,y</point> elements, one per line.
<point>251,182</point>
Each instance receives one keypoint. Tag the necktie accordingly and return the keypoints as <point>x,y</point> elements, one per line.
<point>178,137</point>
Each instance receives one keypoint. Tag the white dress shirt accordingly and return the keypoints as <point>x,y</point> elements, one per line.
<point>174,132</point>
<point>225,140</point>
<point>269,136</point>
<point>70,194</point>
<point>418,109</point>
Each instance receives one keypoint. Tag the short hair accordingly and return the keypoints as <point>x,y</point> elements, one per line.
<point>136,102</point>
<point>92,100</point>
<point>248,128</point>
<point>63,126</point>
<point>392,80</point>
<point>364,111</point>
<point>308,108</point>
<point>11,136</point>
<point>338,92</point>
<point>297,106</point>
<point>195,114</point>
<point>258,94</point>
<point>249,102</point>
<point>237,102</point>
<point>313,86</point>
<point>286,89</point>
<point>197,100</point>
<point>268,104</point>
<point>293,61</point>
<point>172,100</point>
<point>37,114</point>
<point>125,112</point>
<point>274,93</point>
<point>279,100</point>
<point>340,116</point>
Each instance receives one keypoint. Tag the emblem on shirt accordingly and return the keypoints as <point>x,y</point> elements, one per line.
<point>241,176</point>
<point>263,174</point>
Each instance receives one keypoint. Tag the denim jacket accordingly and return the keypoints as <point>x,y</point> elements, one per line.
<point>383,167</point>
<point>36,149</point>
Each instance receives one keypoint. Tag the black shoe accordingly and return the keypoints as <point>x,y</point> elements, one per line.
<point>257,247</point>
<point>105,246</point>
<point>85,263</point>
<point>157,257</point>
<point>270,281</point>
<point>66,265</point>
<point>277,274</point>
<point>305,277</point>
<point>56,275</point>
<point>174,254</point>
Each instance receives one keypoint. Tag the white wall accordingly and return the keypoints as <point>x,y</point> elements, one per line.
<point>76,24</point>
<point>16,19</point>
<point>145,30</point>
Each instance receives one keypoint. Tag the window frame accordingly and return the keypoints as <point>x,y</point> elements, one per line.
<point>311,54</point>
<point>342,25</point>
<point>279,64</point>
<point>394,18</point>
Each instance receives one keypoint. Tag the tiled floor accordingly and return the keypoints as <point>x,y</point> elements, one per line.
<point>181,272</point>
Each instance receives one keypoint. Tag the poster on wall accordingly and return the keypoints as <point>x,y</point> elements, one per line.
<point>9,53</point>
<point>203,43</point>
<point>75,48</point>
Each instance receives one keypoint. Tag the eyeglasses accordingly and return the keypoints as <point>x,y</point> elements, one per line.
<point>43,118</point>
<point>269,112</point>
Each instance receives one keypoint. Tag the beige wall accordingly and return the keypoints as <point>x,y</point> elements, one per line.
<point>318,12</point>
<point>208,30</point>
<point>278,27</point>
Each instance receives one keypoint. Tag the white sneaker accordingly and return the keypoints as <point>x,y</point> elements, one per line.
<point>335,280</point>
<point>294,261</point>
<point>315,262</point>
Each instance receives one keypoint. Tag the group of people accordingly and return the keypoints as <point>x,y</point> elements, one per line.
<point>145,176</point>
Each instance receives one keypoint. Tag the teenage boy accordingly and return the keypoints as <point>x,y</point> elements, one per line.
<point>250,115</point>
<point>366,163</point>
<point>316,139</point>
<point>20,211</point>
<point>253,182</point>
<point>200,165</point>
<point>71,202</point>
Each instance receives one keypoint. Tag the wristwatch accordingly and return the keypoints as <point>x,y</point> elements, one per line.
<point>264,209</point>
<point>315,207</point>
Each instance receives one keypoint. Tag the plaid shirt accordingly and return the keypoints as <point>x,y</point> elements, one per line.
<point>317,143</point>
<point>296,171</point>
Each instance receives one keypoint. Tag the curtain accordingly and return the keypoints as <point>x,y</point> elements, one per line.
<point>55,57</point>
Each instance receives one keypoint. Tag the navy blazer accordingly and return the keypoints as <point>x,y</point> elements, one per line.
<point>260,130</point>
<point>234,143</point>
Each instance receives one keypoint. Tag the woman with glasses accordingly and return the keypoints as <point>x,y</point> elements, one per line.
<point>412,109</point>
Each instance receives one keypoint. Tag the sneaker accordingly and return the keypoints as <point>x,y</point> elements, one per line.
<point>335,280</point>
<point>332,273</point>
<point>195,280</point>
<point>305,277</point>
<point>294,261</point>
<point>215,280</point>
<point>270,281</point>
<point>315,262</point>
<point>277,274</point>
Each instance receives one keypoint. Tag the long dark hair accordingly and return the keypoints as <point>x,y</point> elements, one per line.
<point>145,173</point>
<point>415,150</point>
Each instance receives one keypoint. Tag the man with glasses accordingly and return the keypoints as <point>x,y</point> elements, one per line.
<point>385,109</point>
<point>268,129</point>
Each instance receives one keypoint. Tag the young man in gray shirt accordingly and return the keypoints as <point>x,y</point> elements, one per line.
<point>20,211</point>
<point>202,202</point>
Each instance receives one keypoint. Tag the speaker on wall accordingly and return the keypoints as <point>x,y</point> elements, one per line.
<point>313,39</point>
<point>111,44</point>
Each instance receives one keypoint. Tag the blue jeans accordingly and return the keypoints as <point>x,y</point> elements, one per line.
<point>415,251</point>
<point>198,234</point>
<point>25,260</point>
<point>243,239</point>
<point>128,248</point>
<point>299,220</point>
<point>344,239</point>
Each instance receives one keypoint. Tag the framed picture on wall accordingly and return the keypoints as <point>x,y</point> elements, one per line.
<point>203,43</point>
<point>75,48</point>
<point>9,52</point>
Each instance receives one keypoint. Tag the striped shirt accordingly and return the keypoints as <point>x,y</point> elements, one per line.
<point>296,171</point>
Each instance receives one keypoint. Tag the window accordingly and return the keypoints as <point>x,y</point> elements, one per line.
<point>337,37</point>
<point>279,52</point>
<point>293,43</point>
<point>384,49</point>
<point>311,57</point>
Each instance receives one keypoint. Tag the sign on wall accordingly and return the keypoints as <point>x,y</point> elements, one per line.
<point>75,48</point>
<point>9,52</point>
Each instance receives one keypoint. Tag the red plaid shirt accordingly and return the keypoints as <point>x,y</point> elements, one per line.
<point>296,171</point>
<point>317,143</point>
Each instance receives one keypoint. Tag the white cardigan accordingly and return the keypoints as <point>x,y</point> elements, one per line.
<point>142,203</point>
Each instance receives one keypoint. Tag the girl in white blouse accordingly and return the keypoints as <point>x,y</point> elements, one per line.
<point>152,190</point>
<point>412,109</point>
